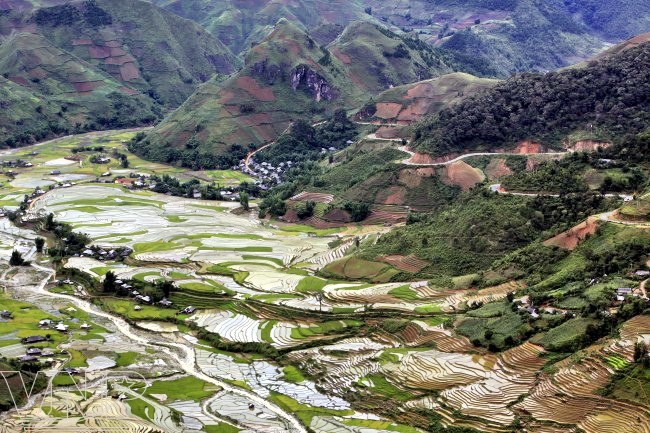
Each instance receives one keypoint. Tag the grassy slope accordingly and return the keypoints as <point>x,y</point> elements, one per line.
<point>97,75</point>
<point>146,47</point>
<point>427,97</point>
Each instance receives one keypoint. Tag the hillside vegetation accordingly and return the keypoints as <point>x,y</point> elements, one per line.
<point>286,77</point>
<point>493,38</point>
<point>603,100</point>
<point>99,64</point>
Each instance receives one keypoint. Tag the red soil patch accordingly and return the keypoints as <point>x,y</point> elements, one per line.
<point>571,238</point>
<point>97,52</point>
<point>415,111</point>
<point>342,56</point>
<point>337,216</point>
<point>423,158</point>
<point>20,80</point>
<point>256,119</point>
<point>422,90</point>
<point>117,52</point>
<point>291,216</point>
<point>589,146</point>
<point>389,132</point>
<point>129,71</point>
<point>87,86</point>
<point>119,60</point>
<point>388,110</point>
<point>462,174</point>
<point>251,86</point>
<point>405,263</point>
<point>497,169</point>
<point>130,92</point>
<point>394,195</point>
<point>82,42</point>
<point>112,44</point>
<point>528,147</point>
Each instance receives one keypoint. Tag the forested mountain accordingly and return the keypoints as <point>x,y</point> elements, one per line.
<point>604,99</point>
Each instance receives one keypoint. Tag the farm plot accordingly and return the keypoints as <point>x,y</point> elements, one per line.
<point>346,362</point>
<point>437,370</point>
<point>143,222</point>
<point>243,329</point>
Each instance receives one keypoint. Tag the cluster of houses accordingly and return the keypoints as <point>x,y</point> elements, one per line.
<point>267,174</point>
<point>34,353</point>
<point>17,163</point>
<point>102,254</point>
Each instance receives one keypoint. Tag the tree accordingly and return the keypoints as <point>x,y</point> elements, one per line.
<point>109,282</point>
<point>50,223</point>
<point>16,259</point>
<point>39,242</point>
<point>488,334</point>
<point>243,199</point>
<point>166,287</point>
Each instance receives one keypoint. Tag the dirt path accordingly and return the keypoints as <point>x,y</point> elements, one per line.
<point>467,155</point>
<point>610,217</point>
<point>250,155</point>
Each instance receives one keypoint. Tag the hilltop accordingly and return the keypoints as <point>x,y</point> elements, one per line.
<point>242,24</point>
<point>600,101</point>
<point>285,77</point>
<point>412,102</point>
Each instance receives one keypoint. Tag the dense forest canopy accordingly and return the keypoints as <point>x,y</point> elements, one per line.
<point>610,97</point>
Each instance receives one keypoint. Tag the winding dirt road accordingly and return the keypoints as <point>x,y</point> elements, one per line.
<point>468,155</point>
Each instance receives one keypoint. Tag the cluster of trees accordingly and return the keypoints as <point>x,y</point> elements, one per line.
<point>69,242</point>
<point>305,142</point>
<point>156,291</point>
<point>67,14</point>
<point>609,95</point>
<point>188,157</point>
<point>16,259</point>
<point>169,184</point>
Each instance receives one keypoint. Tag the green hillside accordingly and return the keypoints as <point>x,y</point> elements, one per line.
<point>239,24</point>
<point>493,38</point>
<point>135,42</point>
<point>100,64</point>
<point>62,92</point>
<point>412,102</point>
<point>288,76</point>
<point>602,101</point>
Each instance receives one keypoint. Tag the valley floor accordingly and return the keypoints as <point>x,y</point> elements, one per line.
<point>272,345</point>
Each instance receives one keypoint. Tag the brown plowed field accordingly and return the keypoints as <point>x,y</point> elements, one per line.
<point>571,238</point>
<point>463,175</point>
